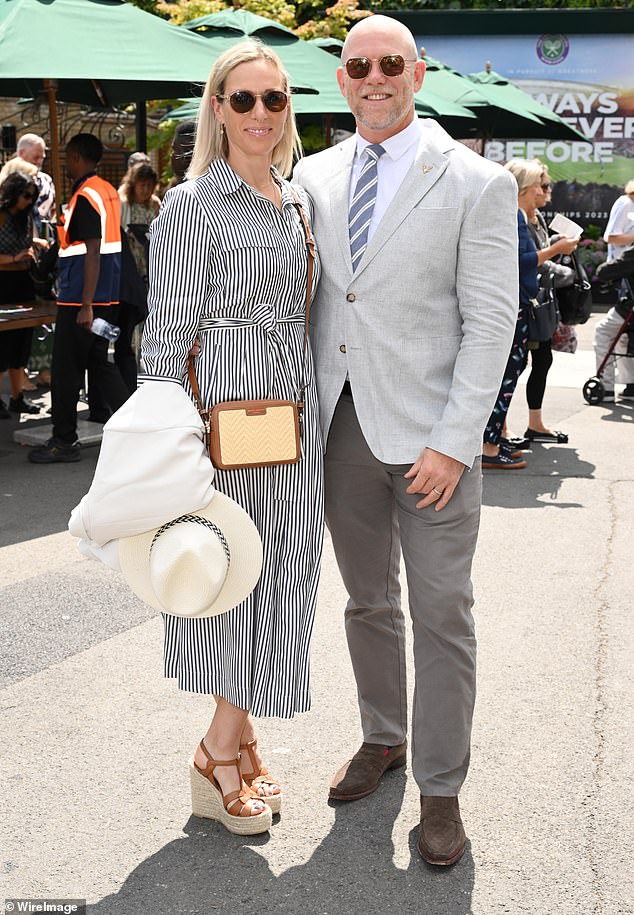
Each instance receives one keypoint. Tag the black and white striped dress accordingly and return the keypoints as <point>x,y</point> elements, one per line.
<point>227,266</point>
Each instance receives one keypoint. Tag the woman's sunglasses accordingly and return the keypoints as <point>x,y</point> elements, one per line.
<point>546,187</point>
<point>391,65</point>
<point>242,100</point>
<point>29,196</point>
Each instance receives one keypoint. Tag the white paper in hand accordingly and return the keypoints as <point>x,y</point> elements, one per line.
<point>564,226</point>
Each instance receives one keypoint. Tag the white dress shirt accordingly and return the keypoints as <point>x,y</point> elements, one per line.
<point>400,152</point>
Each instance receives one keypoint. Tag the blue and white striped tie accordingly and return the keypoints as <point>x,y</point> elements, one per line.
<point>362,205</point>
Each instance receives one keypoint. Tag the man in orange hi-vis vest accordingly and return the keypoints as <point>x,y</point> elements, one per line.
<point>89,274</point>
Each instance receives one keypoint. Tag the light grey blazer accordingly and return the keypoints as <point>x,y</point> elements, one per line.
<point>424,326</point>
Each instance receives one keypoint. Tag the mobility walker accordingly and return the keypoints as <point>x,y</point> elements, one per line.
<point>621,270</point>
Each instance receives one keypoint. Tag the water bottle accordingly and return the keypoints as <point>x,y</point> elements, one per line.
<point>103,329</point>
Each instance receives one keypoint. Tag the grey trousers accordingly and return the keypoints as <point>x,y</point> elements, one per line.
<point>371,519</point>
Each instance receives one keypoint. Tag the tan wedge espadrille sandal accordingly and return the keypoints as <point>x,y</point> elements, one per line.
<point>259,780</point>
<point>232,810</point>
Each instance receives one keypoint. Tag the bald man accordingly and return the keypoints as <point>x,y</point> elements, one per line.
<point>412,326</point>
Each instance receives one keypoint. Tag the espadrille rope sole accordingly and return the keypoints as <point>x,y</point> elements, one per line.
<point>207,803</point>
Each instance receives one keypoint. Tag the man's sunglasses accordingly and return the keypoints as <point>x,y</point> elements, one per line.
<point>391,65</point>
<point>29,196</point>
<point>242,100</point>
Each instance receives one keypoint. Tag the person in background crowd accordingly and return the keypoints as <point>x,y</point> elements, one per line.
<point>619,234</point>
<point>139,207</point>
<point>182,149</point>
<point>496,455</point>
<point>19,166</point>
<point>541,351</point>
<point>17,195</point>
<point>412,322</point>
<point>138,158</point>
<point>89,276</point>
<point>32,149</point>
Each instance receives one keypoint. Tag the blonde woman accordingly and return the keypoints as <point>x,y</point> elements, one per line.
<point>495,455</point>
<point>228,265</point>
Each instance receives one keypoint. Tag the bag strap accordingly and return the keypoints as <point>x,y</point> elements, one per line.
<point>310,251</point>
<point>191,374</point>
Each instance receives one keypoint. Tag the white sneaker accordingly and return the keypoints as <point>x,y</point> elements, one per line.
<point>608,397</point>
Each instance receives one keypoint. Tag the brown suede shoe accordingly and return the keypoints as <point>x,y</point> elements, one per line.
<point>442,836</point>
<point>361,775</point>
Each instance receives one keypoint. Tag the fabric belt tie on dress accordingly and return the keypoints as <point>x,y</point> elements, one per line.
<point>263,317</point>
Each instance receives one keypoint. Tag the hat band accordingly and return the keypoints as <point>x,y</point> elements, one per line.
<point>198,520</point>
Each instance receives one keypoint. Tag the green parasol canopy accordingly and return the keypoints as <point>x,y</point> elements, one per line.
<point>505,96</point>
<point>100,52</point>
<point>303,59</point>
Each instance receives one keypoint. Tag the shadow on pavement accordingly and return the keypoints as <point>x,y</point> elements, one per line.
<point>620,412</point>
<point>539,484</point>
<point>351,871</point>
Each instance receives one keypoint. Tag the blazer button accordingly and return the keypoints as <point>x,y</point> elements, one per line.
<point>342,348</point>
<point>351,297</point>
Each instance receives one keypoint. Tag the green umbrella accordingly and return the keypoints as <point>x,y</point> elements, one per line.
<point>332,45</point>
<point>506,96</point>
<point>102,52</point>
<point>302,58</point>
<point>98,53</point>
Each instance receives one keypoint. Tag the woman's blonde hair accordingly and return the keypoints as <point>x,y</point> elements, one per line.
<point>211,140</point>
<point>19,165</point>
<point>526,172</point>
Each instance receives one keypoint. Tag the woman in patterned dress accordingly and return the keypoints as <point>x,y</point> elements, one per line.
<point>18,192</point>
<point>228,266</point>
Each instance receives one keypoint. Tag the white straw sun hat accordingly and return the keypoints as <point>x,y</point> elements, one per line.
<point>199,564</point>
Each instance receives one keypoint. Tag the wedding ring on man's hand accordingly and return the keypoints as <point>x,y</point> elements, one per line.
<point>437,491</point>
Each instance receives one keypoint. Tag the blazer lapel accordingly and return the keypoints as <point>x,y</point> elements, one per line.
<point>429,165</point>
<point>339,185</point>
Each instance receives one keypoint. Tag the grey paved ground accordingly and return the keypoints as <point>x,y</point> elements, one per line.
<point>93,761</point>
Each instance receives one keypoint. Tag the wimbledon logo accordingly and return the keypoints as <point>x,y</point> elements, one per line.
<point>552,49</point>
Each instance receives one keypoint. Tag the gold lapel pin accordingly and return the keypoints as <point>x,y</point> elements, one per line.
<point>426,168</point>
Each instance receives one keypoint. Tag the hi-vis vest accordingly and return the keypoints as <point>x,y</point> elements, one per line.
<point>72,255</point>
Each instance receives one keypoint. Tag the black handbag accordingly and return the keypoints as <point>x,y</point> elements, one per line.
<point>575,301</point>
<point>543,316</point>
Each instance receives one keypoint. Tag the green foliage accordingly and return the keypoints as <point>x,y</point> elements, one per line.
<point>331,22</point>
<point>308,19</point>
<point>379,5</point>
<point>185,10</point>
<point>593,232</point>
<point>313,138</point>
<point>150,6</point>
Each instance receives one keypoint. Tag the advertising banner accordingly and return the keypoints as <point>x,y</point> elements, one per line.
<point>588,80</point>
